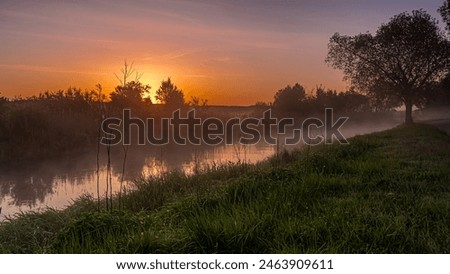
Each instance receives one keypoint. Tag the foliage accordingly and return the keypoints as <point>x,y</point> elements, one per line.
<point>68,101</point>
<point>440,94</point>
<point>132,94</point>
<point>444,10</point>
<point>66,122</point>
<point>348,101</point>
<point>196,102</point>
<point>293,100</point>
<point>289,98</point>
<point>48,125</point>
<point>406,57</point>
<point>169,95</point>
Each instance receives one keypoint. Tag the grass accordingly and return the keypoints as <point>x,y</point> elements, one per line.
<point>386,192</point>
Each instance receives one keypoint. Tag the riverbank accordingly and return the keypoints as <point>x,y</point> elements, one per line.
<point>386,192</point>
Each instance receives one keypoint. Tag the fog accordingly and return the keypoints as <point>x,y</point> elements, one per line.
<point>56,183</point>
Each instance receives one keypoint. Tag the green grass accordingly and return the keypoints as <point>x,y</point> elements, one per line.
<point>386,192</point>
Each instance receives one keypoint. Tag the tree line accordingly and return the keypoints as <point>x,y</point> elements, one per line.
<point>405,63</point>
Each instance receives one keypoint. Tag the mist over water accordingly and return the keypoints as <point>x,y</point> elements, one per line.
<point>57,183</point>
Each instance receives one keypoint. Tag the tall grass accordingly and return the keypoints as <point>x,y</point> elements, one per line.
<point>387,192</point>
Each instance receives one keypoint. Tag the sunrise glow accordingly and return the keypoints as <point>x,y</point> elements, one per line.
<point>229,52</point>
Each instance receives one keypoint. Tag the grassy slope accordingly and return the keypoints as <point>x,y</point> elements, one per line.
<point>387,192</point>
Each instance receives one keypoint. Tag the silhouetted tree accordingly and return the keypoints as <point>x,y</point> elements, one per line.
<point>169,95</point>
<point>197,102</point>
<point>131,95</point>
<point>288,100</point>
<point>348,101</point>
<point>126,72</point>
<point>326,99</point>
<point>351,101</point>
<point>445,90</point>
<point>446,83</point>
<point>406,55</point>
<point>382,98</point>
<point>441,94</point>
<point>444,10</point>
<point>3,101</point>
<point>67,102</point>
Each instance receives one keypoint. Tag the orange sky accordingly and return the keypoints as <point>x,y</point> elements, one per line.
<point>229,52</point>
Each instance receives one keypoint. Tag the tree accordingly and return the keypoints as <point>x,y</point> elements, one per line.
<point>126,72</point>
<point>444,10</point>
<point>350,101</point>
<point>441,96</point>
<point>326,99</point>
<point>382,97</point>
<point>406,56</point>
<point>196,102</point>
<point>132,95</point>
<point>169,95</point>
<point>288,99</point>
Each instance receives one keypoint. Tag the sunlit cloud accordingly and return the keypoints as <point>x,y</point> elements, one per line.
<point>234,52</point>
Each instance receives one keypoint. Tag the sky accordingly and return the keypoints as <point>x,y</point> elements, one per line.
<point>230,52</point>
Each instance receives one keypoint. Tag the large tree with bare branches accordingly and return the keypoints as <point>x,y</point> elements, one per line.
<point>406,57</point>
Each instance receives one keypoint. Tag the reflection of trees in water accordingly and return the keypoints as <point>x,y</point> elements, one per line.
<point>159,158</point>
<point>25,188</point>
<point>30,185</point>
<point>177,157</point>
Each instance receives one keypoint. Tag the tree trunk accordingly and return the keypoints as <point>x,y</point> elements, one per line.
<point>408,112</point>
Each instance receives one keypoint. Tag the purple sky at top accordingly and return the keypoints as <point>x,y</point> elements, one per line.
<point>231,52</point>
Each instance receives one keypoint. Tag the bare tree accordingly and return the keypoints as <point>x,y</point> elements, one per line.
<point>126,72</point>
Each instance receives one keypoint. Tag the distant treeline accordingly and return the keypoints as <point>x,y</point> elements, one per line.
<point>53,124</point>
<point>294,101</point>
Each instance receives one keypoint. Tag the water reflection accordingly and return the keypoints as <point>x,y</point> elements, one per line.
<point>56,183</point>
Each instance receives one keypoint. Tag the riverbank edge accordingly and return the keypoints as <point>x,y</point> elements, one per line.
<point>385,192</point>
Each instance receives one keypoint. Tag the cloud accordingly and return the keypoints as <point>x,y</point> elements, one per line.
<point>63,37</point>
<point>220,59</point>
<point>198,76</point>
<point>47,69</point>
<point>182,53</point>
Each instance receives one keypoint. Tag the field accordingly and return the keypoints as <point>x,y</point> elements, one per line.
<point>386,192</point>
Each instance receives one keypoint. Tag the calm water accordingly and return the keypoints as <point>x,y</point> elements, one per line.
<point>57,183</point>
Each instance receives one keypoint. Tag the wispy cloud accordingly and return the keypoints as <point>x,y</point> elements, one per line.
<point>198,76</point>
<point>63,37</point>
<point>47,69</point>
<point>181,53</point>
<point>220,59</point>
<point>173,55</point>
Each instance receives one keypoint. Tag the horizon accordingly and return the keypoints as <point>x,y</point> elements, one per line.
<point>230,53</point>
